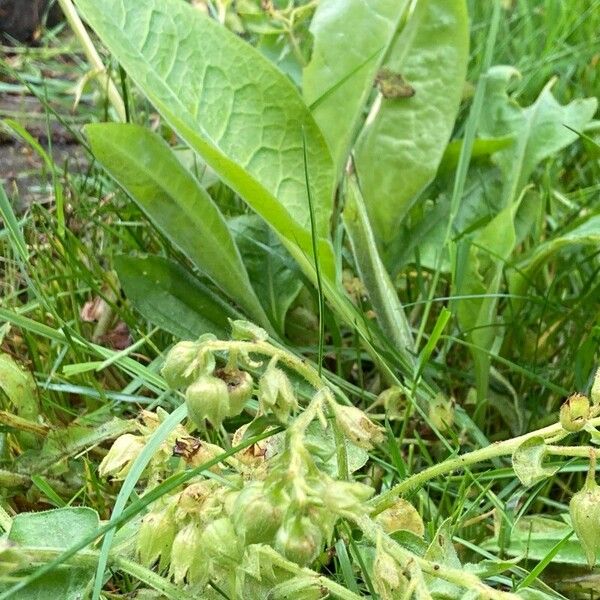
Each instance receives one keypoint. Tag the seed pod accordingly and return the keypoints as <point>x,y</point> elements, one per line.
<point>239,387</point>
<point>176,366</point>
<point>346,498</point>
<point>441,413</point>
<point>585,516</point>
<point>574,412</point>
<point>121,455</point>
<point>299,540</point>
<point>357,427</point>
<point>256,515</point>
<point>207,398</point>
<point>220,542</point>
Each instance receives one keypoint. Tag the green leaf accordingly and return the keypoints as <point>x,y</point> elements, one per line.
<point>339,78</point>
<point>144,164</point>
<point>403,141</point>
<point>540,130</point>
<point>230,104</point>
<point>168,296</point>
<point>527,462</point>
<point>382,294</point>
<point>275,276</point>
<point>535,536</point>
<point>57,529</point>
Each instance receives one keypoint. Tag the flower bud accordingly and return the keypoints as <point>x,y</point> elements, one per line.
<point>239,387</point>
<point>402,515</point>
<point>220,542</point>
<point>176,366</point>
<point>256,515</point>
<point>585,517</point>
<point>574,412</point>
<point>155,537</point>
<point>595,393</point>
<point>121,455</point>
<point>299,540</point>
<point>393,400</point>
<point>187,554</point>
<point>207,398</point>
<point>357,427</point>
<point>275,393</point>
<point>346,498</point>
<point>246,331</point>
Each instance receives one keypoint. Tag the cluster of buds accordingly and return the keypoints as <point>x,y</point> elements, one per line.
<point>211,393</point>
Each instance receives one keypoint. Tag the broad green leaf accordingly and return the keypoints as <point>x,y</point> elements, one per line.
<point>168,296</point>
<point>540,130</point>
<point>534,536</point>
<point>143,163</point>
<point>275,276</point>
<point>403,141</point>
<point>57,529</point>
<point>339,78</point>
<point>230,104</point>
<point>382,294</point>
<point>527,462</point>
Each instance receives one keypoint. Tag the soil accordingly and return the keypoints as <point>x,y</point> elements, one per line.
<point>22,171</point>
<point>21,20</point>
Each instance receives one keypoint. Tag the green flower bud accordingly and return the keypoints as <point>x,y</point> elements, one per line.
<point>595,393</point>
<point>220,542</point>
<point>155,537</point>
<point>275,393</point>
<point>175,369</point>
<point>207,398</point>
<point>346,498</point>
<point>357,427</point>
<point>120,457</point>
<point>188,554</point>
<point>246,331</point>
<point>402,515</point>
<point>299,540</point>
<point>239,387</point>
<point>441,413</point>
<point>256,516</point>
<point>585,517</point>
<point>574,412</point>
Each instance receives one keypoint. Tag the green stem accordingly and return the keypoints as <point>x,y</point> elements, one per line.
<point>93,57</point>
<point>554,432</point>
<point>374,533</point>
<point>331,586</point>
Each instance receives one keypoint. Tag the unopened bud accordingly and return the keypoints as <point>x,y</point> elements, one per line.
<point>207,398</point>
<point>155,538</point>
<point>220,542</point>
<point>125,449</point>
<point>256,515</point>
<point>175,369</point>
<point>275,393</point>
<point>357,427</point>
<point>246,331</point>
<point>188,557</point>
<point>299,540</point>
<point>585,516</point>
<point>239,387</point>
<point>574,412</point>
<point>346,498</point>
